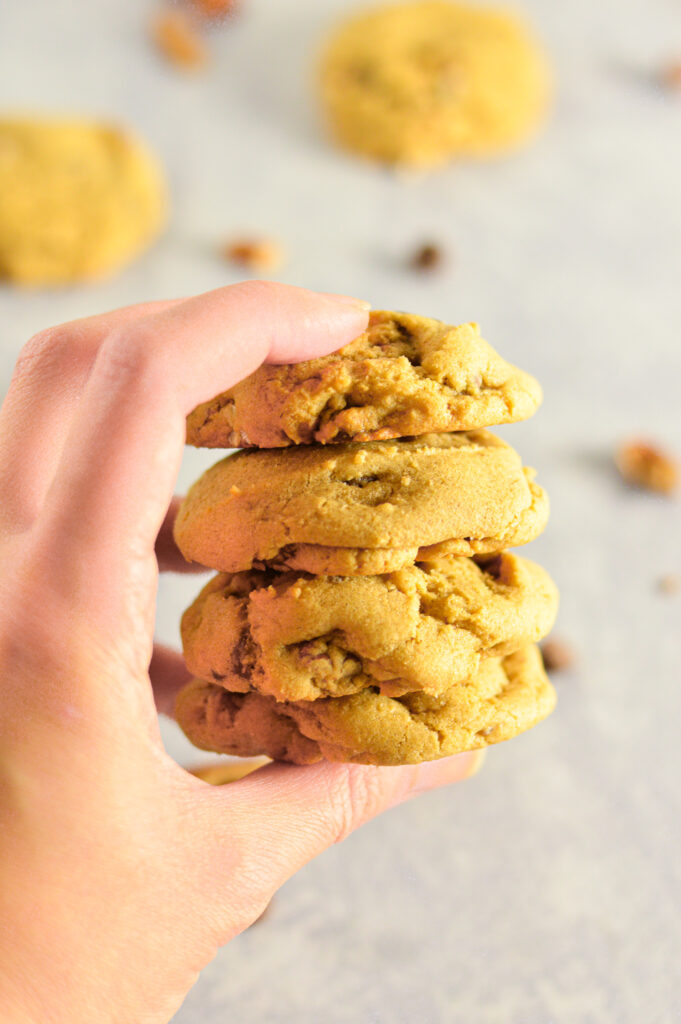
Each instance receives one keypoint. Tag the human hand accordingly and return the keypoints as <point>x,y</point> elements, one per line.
<point>120,873</point>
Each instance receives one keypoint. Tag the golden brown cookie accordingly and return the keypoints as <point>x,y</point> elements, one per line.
<point>78,199</point>
<point>468,489</point>
<point>419,83</point>
<point>405,375</point>
<point>505,697</point>
<point>221,773</point>
<point>425,628</point>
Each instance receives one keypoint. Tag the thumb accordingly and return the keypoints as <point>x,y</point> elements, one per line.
<point>265,827</point>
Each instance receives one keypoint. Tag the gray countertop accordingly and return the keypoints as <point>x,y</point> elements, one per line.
<point>546,890</point>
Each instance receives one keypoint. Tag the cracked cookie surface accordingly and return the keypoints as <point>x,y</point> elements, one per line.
<point>505,697</point>
<point>421,628</point>
<point>391,498</point>
<point>420,83</point>
<point>78,199</point>
<point>406,375</point>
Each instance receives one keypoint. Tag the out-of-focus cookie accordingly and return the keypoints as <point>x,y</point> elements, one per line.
<point>419,83</point>
<point>421,628</point>
<point>505,697</point>
<point>78,199</point>
<point>405,375</point>
<point>279,506</point>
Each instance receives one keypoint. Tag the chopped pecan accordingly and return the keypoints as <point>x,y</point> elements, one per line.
<point>670,75</point>
<point>260,254</point>
<point>176,38</point>
<point>557,655</point>
<point>669,584</point>
<point>645,465</point>
<point>215,10</point>
<point>427,257</point>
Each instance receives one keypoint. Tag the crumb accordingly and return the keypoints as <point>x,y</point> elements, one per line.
<point>426,257</point>
<point>645,465</point>
<point>260,254</point>
<point>669,584</point>
<point>670,75</point>
<point>176,37</point>
<point>558,655</point>
<point>215,10</point>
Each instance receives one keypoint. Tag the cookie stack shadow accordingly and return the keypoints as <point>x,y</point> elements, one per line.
<point>367,607</point>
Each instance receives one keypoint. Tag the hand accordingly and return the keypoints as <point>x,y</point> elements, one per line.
<point>120,873</point>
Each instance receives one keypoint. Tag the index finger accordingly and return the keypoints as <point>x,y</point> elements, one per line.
<point>116,476</point>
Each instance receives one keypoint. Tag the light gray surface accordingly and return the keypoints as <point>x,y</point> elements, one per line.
<point>546,891</point>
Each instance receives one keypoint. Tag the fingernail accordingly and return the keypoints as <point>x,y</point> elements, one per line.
<point>448,769</point>
<point>348,300</point>
<point>477,759</point>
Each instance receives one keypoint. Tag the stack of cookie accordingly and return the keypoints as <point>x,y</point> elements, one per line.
<point>367,609</point>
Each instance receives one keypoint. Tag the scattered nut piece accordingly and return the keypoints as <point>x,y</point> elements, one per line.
<point>215,10</point>
<point>645,465</point>
<point>177,39</point>
<point>557,654</point>
<point>427,257</point>
<point>260,254</point>
<point>671,75</point>
<point>221,772</point>
<point>669,584</point>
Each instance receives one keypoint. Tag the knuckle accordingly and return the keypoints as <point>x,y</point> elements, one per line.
<point>35,351</point>
<point>53,351</point>
<point>128,353</point>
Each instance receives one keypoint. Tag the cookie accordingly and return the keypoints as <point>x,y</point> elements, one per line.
<point>221,773</point>
<point>420,83</point>
<point>468,489</point>
<point>505,697</point>
<point>406,375</point>
<point>78,199</point>
<point>309,637</point>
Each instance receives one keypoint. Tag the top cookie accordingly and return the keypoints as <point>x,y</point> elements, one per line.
<point>77,199</point>
<point>405,375</point>
<point>419,83</point>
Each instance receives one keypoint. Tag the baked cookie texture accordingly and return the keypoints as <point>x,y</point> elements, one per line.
<point>427,627</point>
<point>505,697</point>
<point>420,83</point>
<point>405,375</point>
<point>466,489</point>
<point>78,199</point>
<point>367,609</point>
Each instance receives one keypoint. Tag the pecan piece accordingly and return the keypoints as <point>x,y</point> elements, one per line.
<point>646,465</point>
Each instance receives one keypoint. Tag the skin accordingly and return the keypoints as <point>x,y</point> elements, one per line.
<point>121,874</point>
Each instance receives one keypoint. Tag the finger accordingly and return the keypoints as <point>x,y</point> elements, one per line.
<point>168,674</point>
<point>115,480</point>
<point>302,811</point>
<point>168,555</point>
<point>36,415</point>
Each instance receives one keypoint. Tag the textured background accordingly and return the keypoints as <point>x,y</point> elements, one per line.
<point>546,890</point>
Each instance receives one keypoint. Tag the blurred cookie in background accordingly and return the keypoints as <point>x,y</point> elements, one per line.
<point>79,199</point>
<point>420,83</point>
